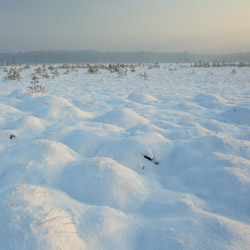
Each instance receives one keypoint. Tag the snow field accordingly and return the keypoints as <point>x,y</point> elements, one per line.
<point>102,161</point>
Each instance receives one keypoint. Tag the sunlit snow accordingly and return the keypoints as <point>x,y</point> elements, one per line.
<point>125,160</point>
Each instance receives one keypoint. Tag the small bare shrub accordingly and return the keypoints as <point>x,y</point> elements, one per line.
<point>233,71</point>
<point>55,73</point>
<point>117,68</point>
<point>144,76</point>
<point>51,67</point>
<point>13,74</point>
<point>92,69</point>
<point>35,86</point>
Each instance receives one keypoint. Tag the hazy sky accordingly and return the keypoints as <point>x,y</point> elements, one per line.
<point>208,26</point>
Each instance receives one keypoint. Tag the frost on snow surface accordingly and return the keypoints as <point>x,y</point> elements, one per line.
<point>104,161</point>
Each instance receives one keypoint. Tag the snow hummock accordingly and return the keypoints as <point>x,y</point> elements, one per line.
<point>108,184</point>
<point>120,162</point>
<point>123,117</point>
<point>141,98</point>
<point>50,107</point>
<point>236,115</point>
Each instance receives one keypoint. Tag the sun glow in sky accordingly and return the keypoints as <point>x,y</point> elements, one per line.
<point>212,26</point>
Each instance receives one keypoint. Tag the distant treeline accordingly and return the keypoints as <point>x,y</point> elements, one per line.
<point>36,57</point>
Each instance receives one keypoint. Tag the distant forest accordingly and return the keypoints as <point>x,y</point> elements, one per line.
<point>36,57</point>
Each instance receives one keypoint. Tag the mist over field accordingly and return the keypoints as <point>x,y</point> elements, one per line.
<point>203,27</point>
<point>117,57</point>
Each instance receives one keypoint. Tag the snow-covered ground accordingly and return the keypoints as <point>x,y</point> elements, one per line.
<point>105,161</point>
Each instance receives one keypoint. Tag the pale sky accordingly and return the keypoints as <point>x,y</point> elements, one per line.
<point>203,26</point>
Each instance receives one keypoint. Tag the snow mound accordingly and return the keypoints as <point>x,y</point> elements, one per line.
<point>218,184</point>
<point>141,98</point>
<point>7,111</point>
<point>27,123</point>
<point>210,101</point>
<point>104,182</point>
<point>42,151</point>
<point>123,117</point>
<point>181,233</point>
<point>145,152</point>
<point>34,217</point>
<point>37,162</point>
<point>20,94</point>
<point>236,115</point>
<point>200,151</point>
<point>88,141</point>
<point>54,108</point>
<point>30,213</point>
<point>189,106</point>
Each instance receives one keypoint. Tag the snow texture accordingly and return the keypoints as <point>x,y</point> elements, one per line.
<point>105,161</point>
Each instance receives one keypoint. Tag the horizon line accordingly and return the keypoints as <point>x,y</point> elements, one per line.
<point>123,52</point>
